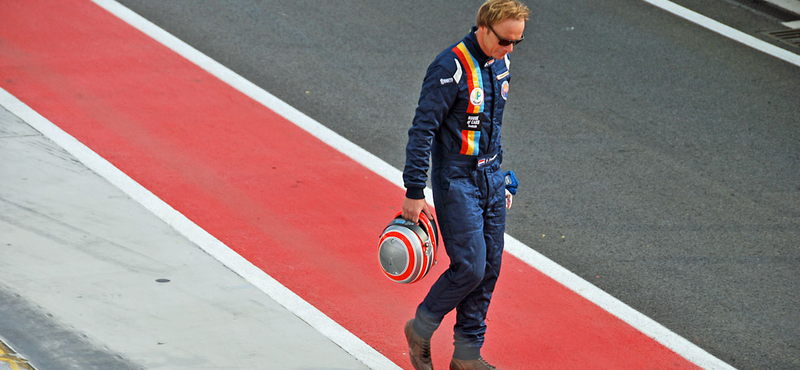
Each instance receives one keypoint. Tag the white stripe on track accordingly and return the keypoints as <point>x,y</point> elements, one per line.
<point>727,31</point>
<point>286,297</point>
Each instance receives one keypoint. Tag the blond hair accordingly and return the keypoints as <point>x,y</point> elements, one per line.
<point>494,11</point>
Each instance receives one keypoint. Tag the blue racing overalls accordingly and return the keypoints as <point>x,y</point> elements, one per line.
<point>457,125</point>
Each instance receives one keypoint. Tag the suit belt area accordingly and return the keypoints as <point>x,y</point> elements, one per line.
<point>477,162</point>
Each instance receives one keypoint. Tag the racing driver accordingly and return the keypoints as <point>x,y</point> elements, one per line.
<point>457,125</point>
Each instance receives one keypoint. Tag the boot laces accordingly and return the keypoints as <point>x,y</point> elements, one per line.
<point>488,365</point>
<point>426,349</point>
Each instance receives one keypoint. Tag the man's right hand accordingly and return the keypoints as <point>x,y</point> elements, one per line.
<point>412,208</point>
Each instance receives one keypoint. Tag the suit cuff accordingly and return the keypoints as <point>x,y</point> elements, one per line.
<point>415,193</point>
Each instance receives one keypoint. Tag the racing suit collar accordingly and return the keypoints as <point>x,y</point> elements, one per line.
<point>475,48</point>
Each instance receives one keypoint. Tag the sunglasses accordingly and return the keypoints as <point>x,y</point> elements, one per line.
<point>504,42</point>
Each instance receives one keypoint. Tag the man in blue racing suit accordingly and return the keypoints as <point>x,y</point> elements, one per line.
<point>457,125</point>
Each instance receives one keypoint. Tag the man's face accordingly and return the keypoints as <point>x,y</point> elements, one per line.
<point>500,33</point>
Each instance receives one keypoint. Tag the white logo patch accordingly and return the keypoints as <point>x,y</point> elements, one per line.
<point>476,96</point>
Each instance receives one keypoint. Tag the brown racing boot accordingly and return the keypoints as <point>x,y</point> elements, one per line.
<point>479,364</point>
<point>419,350</point>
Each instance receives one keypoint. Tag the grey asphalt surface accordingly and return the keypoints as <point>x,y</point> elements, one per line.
<point>667,156</point>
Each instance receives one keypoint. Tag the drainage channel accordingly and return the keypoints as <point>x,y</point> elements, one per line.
<point>791,37</point>
<point>10,360</point>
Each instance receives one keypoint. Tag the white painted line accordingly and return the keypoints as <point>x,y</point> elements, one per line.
<point>727,31</point>
<point>638,320</point>
<point>793,24</point>
<point>270,286</point>
<point>789,5</point>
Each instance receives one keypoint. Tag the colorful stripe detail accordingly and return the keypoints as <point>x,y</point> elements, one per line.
<point>471,139</point>
<point>474,77</point>
<point>470,142</point>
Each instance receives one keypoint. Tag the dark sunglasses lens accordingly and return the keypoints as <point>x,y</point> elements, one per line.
<point>504,42</point>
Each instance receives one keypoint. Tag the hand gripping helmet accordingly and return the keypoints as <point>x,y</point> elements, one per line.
<point>407,251</point>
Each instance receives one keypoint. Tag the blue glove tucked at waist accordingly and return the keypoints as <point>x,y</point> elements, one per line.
<point>511,182</point>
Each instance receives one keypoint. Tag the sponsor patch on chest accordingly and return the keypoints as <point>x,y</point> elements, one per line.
<point>476,96</point>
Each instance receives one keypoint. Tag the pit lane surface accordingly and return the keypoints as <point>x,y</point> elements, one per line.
<point>670,187</point>
<point>664,154</point>
<point>202,150</point>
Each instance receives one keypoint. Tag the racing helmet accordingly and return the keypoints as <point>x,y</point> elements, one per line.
<point>406,250</point>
